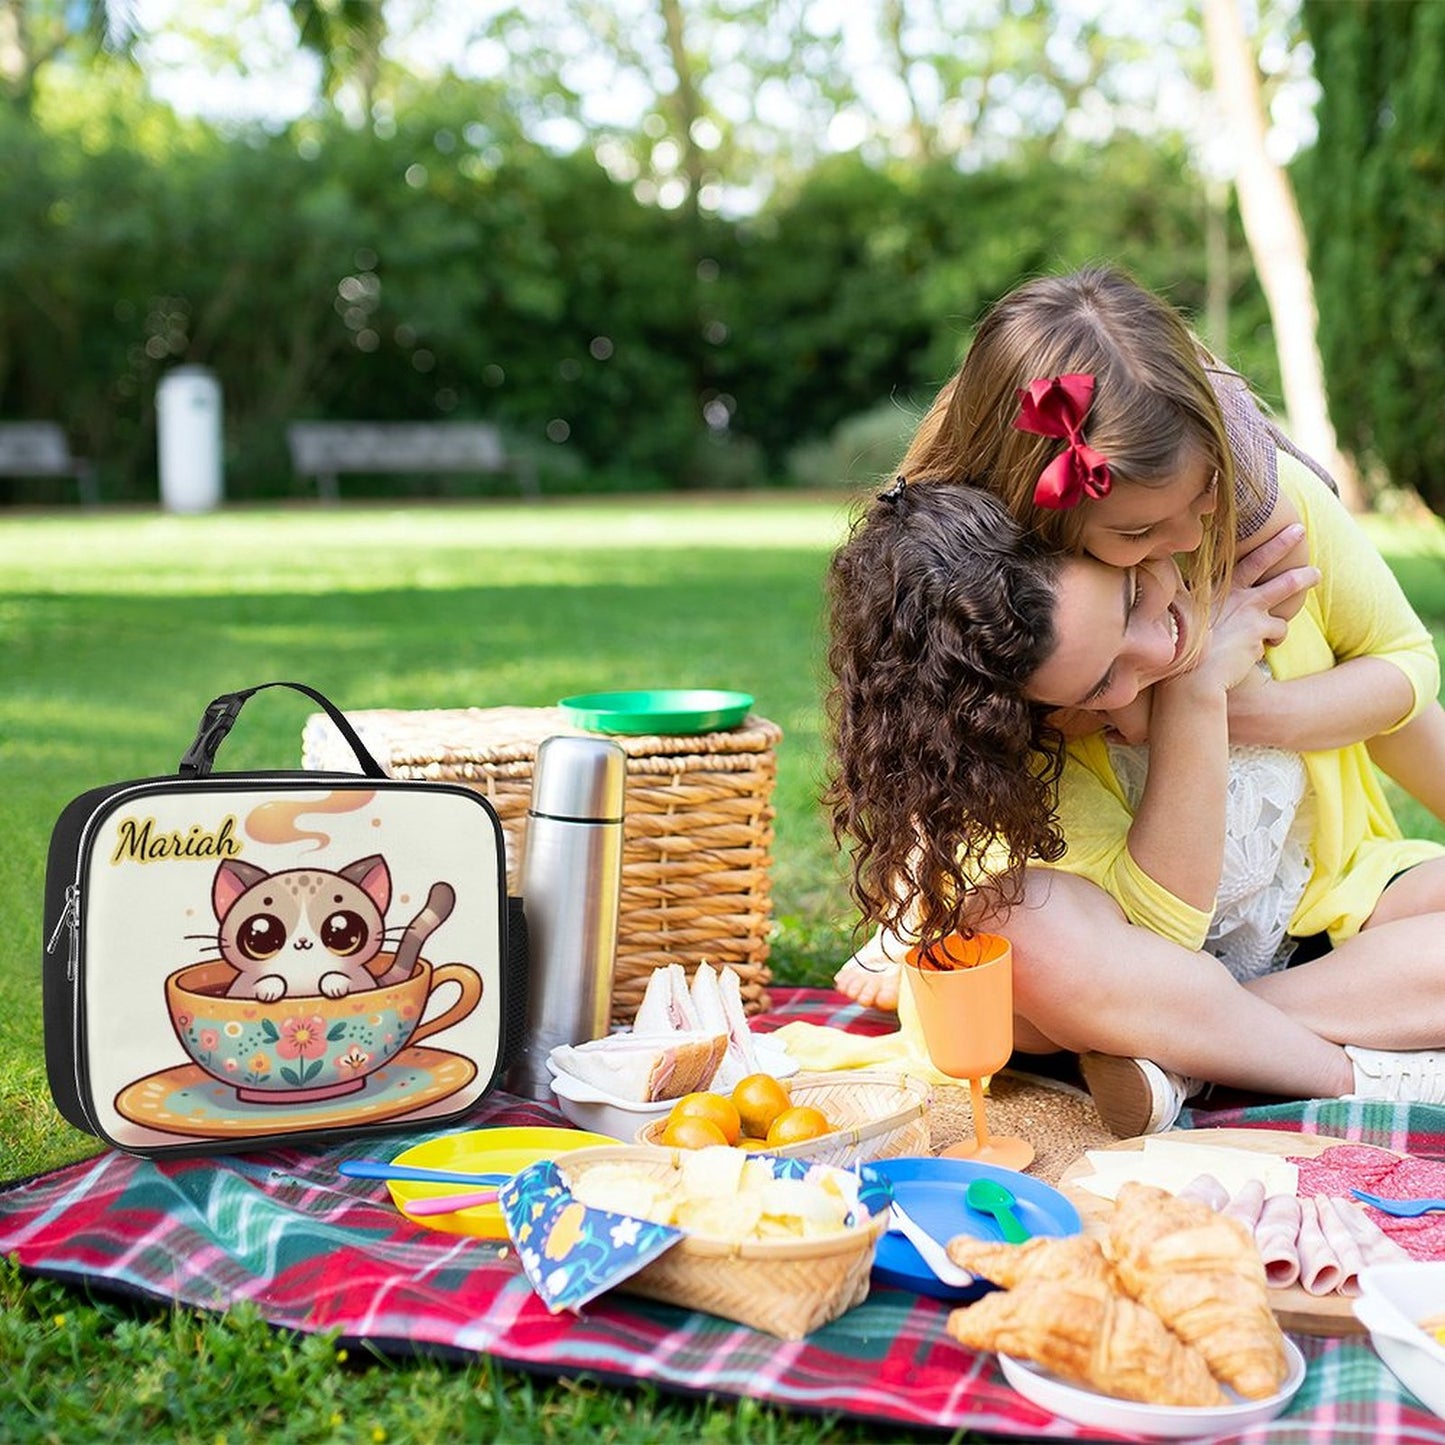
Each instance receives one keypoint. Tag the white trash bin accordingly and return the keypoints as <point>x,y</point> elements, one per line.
<point>188,431</point>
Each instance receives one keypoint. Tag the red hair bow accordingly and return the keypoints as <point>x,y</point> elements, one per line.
<point>1056,407</point>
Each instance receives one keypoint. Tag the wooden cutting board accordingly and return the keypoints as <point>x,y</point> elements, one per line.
<point>1295,1308</point>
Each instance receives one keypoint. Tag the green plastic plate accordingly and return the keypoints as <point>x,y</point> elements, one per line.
<point>661,710</point>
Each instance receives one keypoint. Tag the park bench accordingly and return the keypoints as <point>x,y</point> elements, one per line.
<point>327,450</point>
<point>39,449</point>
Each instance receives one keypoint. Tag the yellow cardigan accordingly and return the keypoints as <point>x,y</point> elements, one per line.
<point>1357,610</point>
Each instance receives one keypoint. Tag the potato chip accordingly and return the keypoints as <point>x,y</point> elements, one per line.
<point>626,1189</point>
<point>714,1172</point>
<point>818,1211</point>
<point>733,1219</point>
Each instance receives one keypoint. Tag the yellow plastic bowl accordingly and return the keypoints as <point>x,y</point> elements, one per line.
<point>480,1151</point>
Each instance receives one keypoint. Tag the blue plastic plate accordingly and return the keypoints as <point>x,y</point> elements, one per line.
<point>661,711</point>
<point>932,1190</point>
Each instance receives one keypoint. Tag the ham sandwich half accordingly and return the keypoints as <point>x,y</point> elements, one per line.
<point>683,1039</point>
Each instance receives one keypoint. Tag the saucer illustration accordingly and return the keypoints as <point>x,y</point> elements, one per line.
<point>187,1100</point>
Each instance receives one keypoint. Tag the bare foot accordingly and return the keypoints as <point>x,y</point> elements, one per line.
<point>870,977</point>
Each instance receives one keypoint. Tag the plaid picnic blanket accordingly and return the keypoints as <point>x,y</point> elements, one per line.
<point>314,1251</point>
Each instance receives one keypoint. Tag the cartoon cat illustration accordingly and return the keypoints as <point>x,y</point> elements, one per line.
<point>311,930</point>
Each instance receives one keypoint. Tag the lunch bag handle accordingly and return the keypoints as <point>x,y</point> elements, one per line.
<point>220,716</point>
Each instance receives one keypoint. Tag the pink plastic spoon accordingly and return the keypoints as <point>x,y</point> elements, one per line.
<point>450,1203</point>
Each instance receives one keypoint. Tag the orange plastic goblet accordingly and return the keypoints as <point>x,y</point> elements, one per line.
<point>963,992</point>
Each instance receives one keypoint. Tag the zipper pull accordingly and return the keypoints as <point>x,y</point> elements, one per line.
<point>69,918</point>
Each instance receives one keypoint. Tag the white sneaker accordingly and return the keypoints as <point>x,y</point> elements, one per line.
<point>1406,1076</point>
<point>1135,1096</point>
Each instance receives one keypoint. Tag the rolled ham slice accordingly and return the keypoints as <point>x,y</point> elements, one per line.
<point>1340,1241</point>
<point>1276,1233</point>
<point>1246,1204</point>
<point>1376,1247</point>
<point>1207,1190</point>
<point>1320,1269</point>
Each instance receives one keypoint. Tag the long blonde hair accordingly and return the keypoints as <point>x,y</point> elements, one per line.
<point>1152,403</point>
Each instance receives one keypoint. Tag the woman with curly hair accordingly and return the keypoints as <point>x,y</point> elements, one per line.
<point>957,642</point>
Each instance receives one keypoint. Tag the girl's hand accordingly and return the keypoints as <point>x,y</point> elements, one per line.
<point>1298,555</point>
<point>1246,622</point>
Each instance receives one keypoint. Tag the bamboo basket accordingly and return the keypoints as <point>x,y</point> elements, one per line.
<point>878,1116</point>
<point>697,835</point>
<point>786,1288</point>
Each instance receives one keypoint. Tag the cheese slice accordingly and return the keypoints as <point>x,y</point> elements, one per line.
<point>1172,1163</point>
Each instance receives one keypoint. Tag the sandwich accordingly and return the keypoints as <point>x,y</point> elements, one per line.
<point>718,1002</point>
<point>684,1038</point>
<point>667,1004</point>
<point>713,1003</point>
<point>645,1068</point>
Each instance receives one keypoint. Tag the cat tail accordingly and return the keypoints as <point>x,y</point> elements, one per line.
<point>437,909</point>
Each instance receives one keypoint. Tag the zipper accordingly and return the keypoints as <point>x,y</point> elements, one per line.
<point>69,919</point>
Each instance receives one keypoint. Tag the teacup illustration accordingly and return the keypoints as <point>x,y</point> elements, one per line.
<point>301,1048</point>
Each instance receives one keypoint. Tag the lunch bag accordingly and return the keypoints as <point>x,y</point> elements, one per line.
<point>244,959</point>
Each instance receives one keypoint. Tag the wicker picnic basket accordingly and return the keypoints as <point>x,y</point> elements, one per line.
<point>697,836</point>
<point>785,1287</point>
<point>878,1116</point>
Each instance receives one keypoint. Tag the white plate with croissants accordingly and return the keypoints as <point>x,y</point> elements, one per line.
<point>1159,1324</point>
<point>1161,1422</point>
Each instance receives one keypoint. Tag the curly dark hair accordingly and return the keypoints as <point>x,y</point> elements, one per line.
<point>944,773</point>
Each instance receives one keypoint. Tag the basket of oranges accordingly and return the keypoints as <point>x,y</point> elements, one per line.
<point>842,1118</point>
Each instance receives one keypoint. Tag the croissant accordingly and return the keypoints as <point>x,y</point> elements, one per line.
<point>1201,1273</point>
<point>1077,1256</point>
<point>1090,1335</point>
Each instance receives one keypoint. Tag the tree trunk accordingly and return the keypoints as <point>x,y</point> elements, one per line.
<point>688,108</point>
<point>1216,267</point>
<point>1276,238</point>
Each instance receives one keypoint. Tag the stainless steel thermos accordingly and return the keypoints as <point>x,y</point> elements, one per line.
<point>571,881</point>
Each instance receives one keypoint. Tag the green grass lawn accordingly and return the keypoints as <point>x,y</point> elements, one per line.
<point>116,630</point>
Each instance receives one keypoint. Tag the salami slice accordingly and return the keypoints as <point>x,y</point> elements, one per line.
<point>1362,1166</point>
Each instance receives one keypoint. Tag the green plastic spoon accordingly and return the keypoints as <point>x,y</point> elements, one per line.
<point>990,1197</point>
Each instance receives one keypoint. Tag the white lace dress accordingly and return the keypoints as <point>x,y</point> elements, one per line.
<point>1266,852</point>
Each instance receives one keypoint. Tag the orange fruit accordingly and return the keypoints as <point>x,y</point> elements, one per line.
<point>691,1133</point>
<point>716,1108</point>
<point>753,1145</point>
<point>800,1122</point>
<point>760,1098</point>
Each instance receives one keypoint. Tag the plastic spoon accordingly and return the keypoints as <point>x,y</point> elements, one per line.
<point>929,1249</point>
<point>988,1196</point>
<point>450,1203</point>
<point>380,1169</point>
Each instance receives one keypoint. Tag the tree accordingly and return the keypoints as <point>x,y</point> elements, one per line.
<point>34,33</point>
<point>346,36</point>
<point>1374,197</point>
<point>1276,239</point>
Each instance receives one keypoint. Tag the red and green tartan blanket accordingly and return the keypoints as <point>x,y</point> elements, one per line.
<point>314,1251</point>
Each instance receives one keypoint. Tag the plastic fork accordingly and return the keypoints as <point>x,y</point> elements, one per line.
<point>1401,1208</point>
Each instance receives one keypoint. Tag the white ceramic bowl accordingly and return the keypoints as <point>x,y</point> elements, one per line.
<point>1393,1299</point>
<point>588,1107</point>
